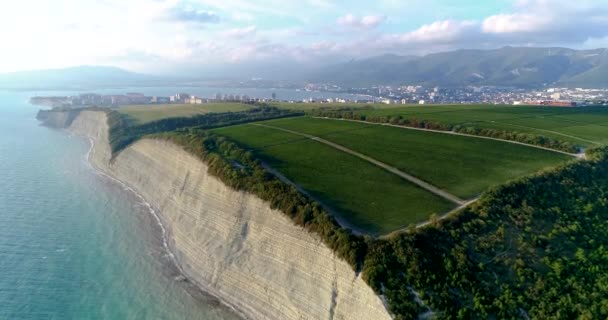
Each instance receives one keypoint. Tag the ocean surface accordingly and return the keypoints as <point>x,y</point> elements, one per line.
<point>210,92</point>
<point>76,245</point>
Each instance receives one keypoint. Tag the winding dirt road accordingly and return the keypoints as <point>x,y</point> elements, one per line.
<point>433,189</point>
<point>425,185</point>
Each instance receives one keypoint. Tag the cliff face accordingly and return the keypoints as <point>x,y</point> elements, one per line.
<point>231,243</point>
<point>56,119</point>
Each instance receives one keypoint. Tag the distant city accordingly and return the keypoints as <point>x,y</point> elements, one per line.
<point>134,98</point>
<point>416,94</point>
<point>407,94</point>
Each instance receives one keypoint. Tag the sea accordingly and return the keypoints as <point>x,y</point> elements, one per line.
<point>75,244</point>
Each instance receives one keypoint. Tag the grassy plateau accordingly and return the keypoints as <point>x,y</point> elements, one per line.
<point>586,126</point>
<point>148,113</point>
<point>463,166</point>
<point>364,196</point>
<point>370,198</point>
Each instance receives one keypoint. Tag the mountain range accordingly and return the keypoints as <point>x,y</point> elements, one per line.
<point>508,66</point>
<point>81,77</point>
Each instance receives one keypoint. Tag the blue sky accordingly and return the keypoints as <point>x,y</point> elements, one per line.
<point>170,35</point>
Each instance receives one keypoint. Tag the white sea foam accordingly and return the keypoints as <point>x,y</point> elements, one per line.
<point>142,201</point>
<point>164,234</point>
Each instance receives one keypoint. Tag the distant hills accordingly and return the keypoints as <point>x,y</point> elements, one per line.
<point>83,77</point>
<point>508,66</point>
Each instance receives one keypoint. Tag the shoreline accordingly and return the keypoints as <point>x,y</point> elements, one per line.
<point>164,235</point>
<point>226,245</point>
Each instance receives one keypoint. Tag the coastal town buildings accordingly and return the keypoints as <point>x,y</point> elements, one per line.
<point>407,94</point>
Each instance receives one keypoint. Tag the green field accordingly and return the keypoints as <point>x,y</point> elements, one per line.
<point>152,112</point>
<point>148,113</point>
<point>318,105</point>
<point>580,126</point>
<point>364,196</point>
<point>586,126</point>
<point>371,198</point>
<point>463,166</point>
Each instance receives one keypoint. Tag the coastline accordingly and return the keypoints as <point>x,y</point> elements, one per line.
<point>229,244</point>
<point>164,234</point>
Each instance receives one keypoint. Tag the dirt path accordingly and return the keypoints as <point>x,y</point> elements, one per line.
<point>408,177</point>
<point>342,221</point>
<point>574,155</point>
<point>553,132</point>
<point>428,222</point>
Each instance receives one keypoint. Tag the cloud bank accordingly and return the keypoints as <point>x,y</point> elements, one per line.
<point>169,35</point>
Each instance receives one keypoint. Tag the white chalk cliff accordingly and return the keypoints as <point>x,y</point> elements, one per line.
<point>231,243</point>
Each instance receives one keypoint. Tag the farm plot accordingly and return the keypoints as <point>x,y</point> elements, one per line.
<point>363,196</point>
<point>463,166</point>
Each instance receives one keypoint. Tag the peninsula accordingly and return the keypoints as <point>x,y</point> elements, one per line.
<point>289,211</point>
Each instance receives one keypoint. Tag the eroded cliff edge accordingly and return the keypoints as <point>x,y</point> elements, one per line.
<point>231,243</point>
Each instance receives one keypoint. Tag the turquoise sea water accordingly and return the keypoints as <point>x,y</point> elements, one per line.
<point>73,244</point>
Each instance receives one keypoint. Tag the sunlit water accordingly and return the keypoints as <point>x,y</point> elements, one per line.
<point>76,245</point>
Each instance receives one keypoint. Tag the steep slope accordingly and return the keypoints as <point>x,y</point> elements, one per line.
<point>231,243</point>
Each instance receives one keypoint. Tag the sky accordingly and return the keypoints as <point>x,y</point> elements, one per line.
<point>168,36</point>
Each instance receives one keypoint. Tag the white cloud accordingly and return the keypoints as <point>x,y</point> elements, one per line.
<point>150,33</point>
<point>440,31</point>
<point>240,33</point>
<point>191,15</point>
<point>365,22</point>
<point>512,23</point>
